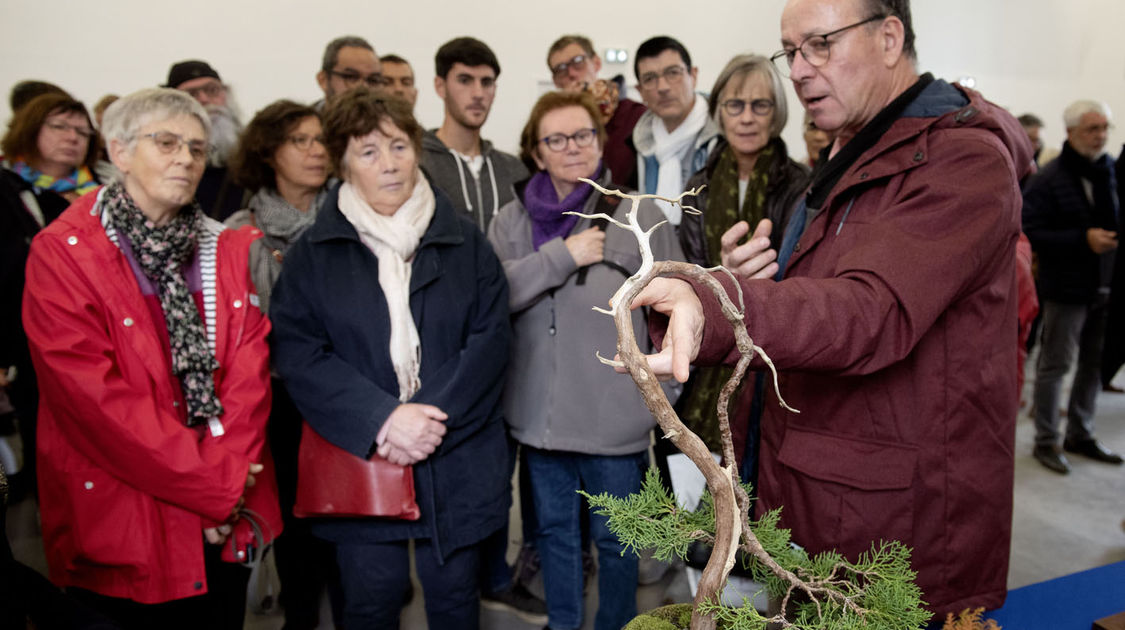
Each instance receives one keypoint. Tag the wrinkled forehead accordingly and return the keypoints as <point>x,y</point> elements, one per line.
<point>666,59</point>
<point>802,19</point>
<point>385,131</point>
<point>754,84</point>
<point>359,59</point>
<point>198,82</point>
<point>395,69</point>
<point>566,53</point>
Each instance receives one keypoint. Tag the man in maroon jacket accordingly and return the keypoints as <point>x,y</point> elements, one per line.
<point>893,324</point>
<point>574,65</point>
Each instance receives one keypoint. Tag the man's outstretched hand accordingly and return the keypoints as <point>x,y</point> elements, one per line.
<point>676,299</point>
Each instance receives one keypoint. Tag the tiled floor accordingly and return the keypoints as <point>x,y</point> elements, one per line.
<point>1061,525</point>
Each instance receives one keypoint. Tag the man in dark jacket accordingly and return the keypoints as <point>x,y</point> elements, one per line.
<point>1070,213</point>
<point>893,325</point>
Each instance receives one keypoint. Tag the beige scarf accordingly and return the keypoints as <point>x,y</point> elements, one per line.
<point>394,240</point>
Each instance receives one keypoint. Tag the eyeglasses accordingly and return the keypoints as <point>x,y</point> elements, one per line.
<point>558,141</point>
<point>60,127</point>
<point>1102,128</point>
<point>352,78</point>
<point>672,74</point>
<point>815,49</point>
<point>210,90</point>
<point>304,142</point>
<point>170,143</point>
<point>735,106</point>
<point>578,63</point>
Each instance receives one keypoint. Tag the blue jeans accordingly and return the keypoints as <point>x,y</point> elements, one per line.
<point>375,576</point>
<point>556,477</point>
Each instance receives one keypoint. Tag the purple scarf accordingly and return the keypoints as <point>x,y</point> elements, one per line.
<point>546,211</point>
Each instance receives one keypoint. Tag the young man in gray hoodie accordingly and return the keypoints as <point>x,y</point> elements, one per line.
<point>476,177</point>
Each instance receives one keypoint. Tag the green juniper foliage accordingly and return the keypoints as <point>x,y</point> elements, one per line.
<point>879,585</point>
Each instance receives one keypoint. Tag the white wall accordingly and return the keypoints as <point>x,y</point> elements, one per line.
<point>1028,55</point>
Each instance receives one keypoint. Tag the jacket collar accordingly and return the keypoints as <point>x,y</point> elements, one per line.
<point>444,228</point>
<point>905,145</point>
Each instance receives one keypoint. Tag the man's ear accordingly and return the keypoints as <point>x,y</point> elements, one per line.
<point>893,38</point>
<point>322,81</point>
<point>439,87</point>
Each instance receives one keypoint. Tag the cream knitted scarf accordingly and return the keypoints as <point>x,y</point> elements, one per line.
<point>394,239</point>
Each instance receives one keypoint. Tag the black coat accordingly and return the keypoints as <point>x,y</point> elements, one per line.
<point>788,180</point>
<point>331,339</point>
<point>1056,216</point>
<point>17,227</point>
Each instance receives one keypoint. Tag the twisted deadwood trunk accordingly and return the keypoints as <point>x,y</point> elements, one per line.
<point>730,500</point>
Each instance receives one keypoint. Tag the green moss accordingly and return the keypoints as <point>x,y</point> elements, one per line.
<point>671,617</point>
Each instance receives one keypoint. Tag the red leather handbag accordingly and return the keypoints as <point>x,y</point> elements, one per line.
<point>332,482</point>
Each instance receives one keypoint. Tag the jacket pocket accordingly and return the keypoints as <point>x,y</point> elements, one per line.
<point>111,521</point>
<point>853,491</point>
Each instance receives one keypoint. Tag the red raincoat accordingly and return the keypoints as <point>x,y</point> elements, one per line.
<point>125,486</point>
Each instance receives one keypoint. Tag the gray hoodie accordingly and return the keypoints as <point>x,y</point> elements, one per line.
<point>450,174</point>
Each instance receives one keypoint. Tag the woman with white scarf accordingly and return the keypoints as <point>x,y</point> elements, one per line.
<point>391,333</point>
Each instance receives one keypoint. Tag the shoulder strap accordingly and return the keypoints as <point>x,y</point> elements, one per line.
<point>606,204</point>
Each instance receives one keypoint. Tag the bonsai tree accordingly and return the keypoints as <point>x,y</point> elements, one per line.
<point>876,591</point>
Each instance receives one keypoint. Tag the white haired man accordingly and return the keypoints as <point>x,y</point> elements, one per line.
<point>1071,213</point>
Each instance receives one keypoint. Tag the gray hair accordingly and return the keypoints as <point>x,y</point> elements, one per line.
<point>901,10</point>
<point>1074,112</point>
<point>125,117</point>
<point>738,70</point>
<point>332,51</point>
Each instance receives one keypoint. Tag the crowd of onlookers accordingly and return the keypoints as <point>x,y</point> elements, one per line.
<point>189,300</point>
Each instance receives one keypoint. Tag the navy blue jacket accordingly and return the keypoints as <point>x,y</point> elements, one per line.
<point>1056,215</point>
<point>331,337</point>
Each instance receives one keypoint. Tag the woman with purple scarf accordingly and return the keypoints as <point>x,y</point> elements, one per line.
<point>581,428</point>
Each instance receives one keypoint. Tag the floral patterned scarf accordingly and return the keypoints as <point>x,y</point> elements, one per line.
<point>80,180</point>
<point>161,253</point>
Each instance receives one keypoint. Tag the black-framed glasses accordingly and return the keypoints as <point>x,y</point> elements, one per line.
<point>816,48</point>
<point>170,143</point>
<point>61,127</point>
<point>352,78</point>
<point>210,90</point>
<point>735,106</point>
<point>578,62</point>
<point>558,141</point>
<point>304,142</point>
<point>672,74</point>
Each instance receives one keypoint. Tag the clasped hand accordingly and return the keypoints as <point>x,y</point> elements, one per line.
<point>218,535</point>
<point>414,431</point>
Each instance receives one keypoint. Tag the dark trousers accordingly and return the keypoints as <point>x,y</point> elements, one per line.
<point>223,607</point>
<point>375,576</point>
<point>1071,332</point>
<point>305,563</point>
